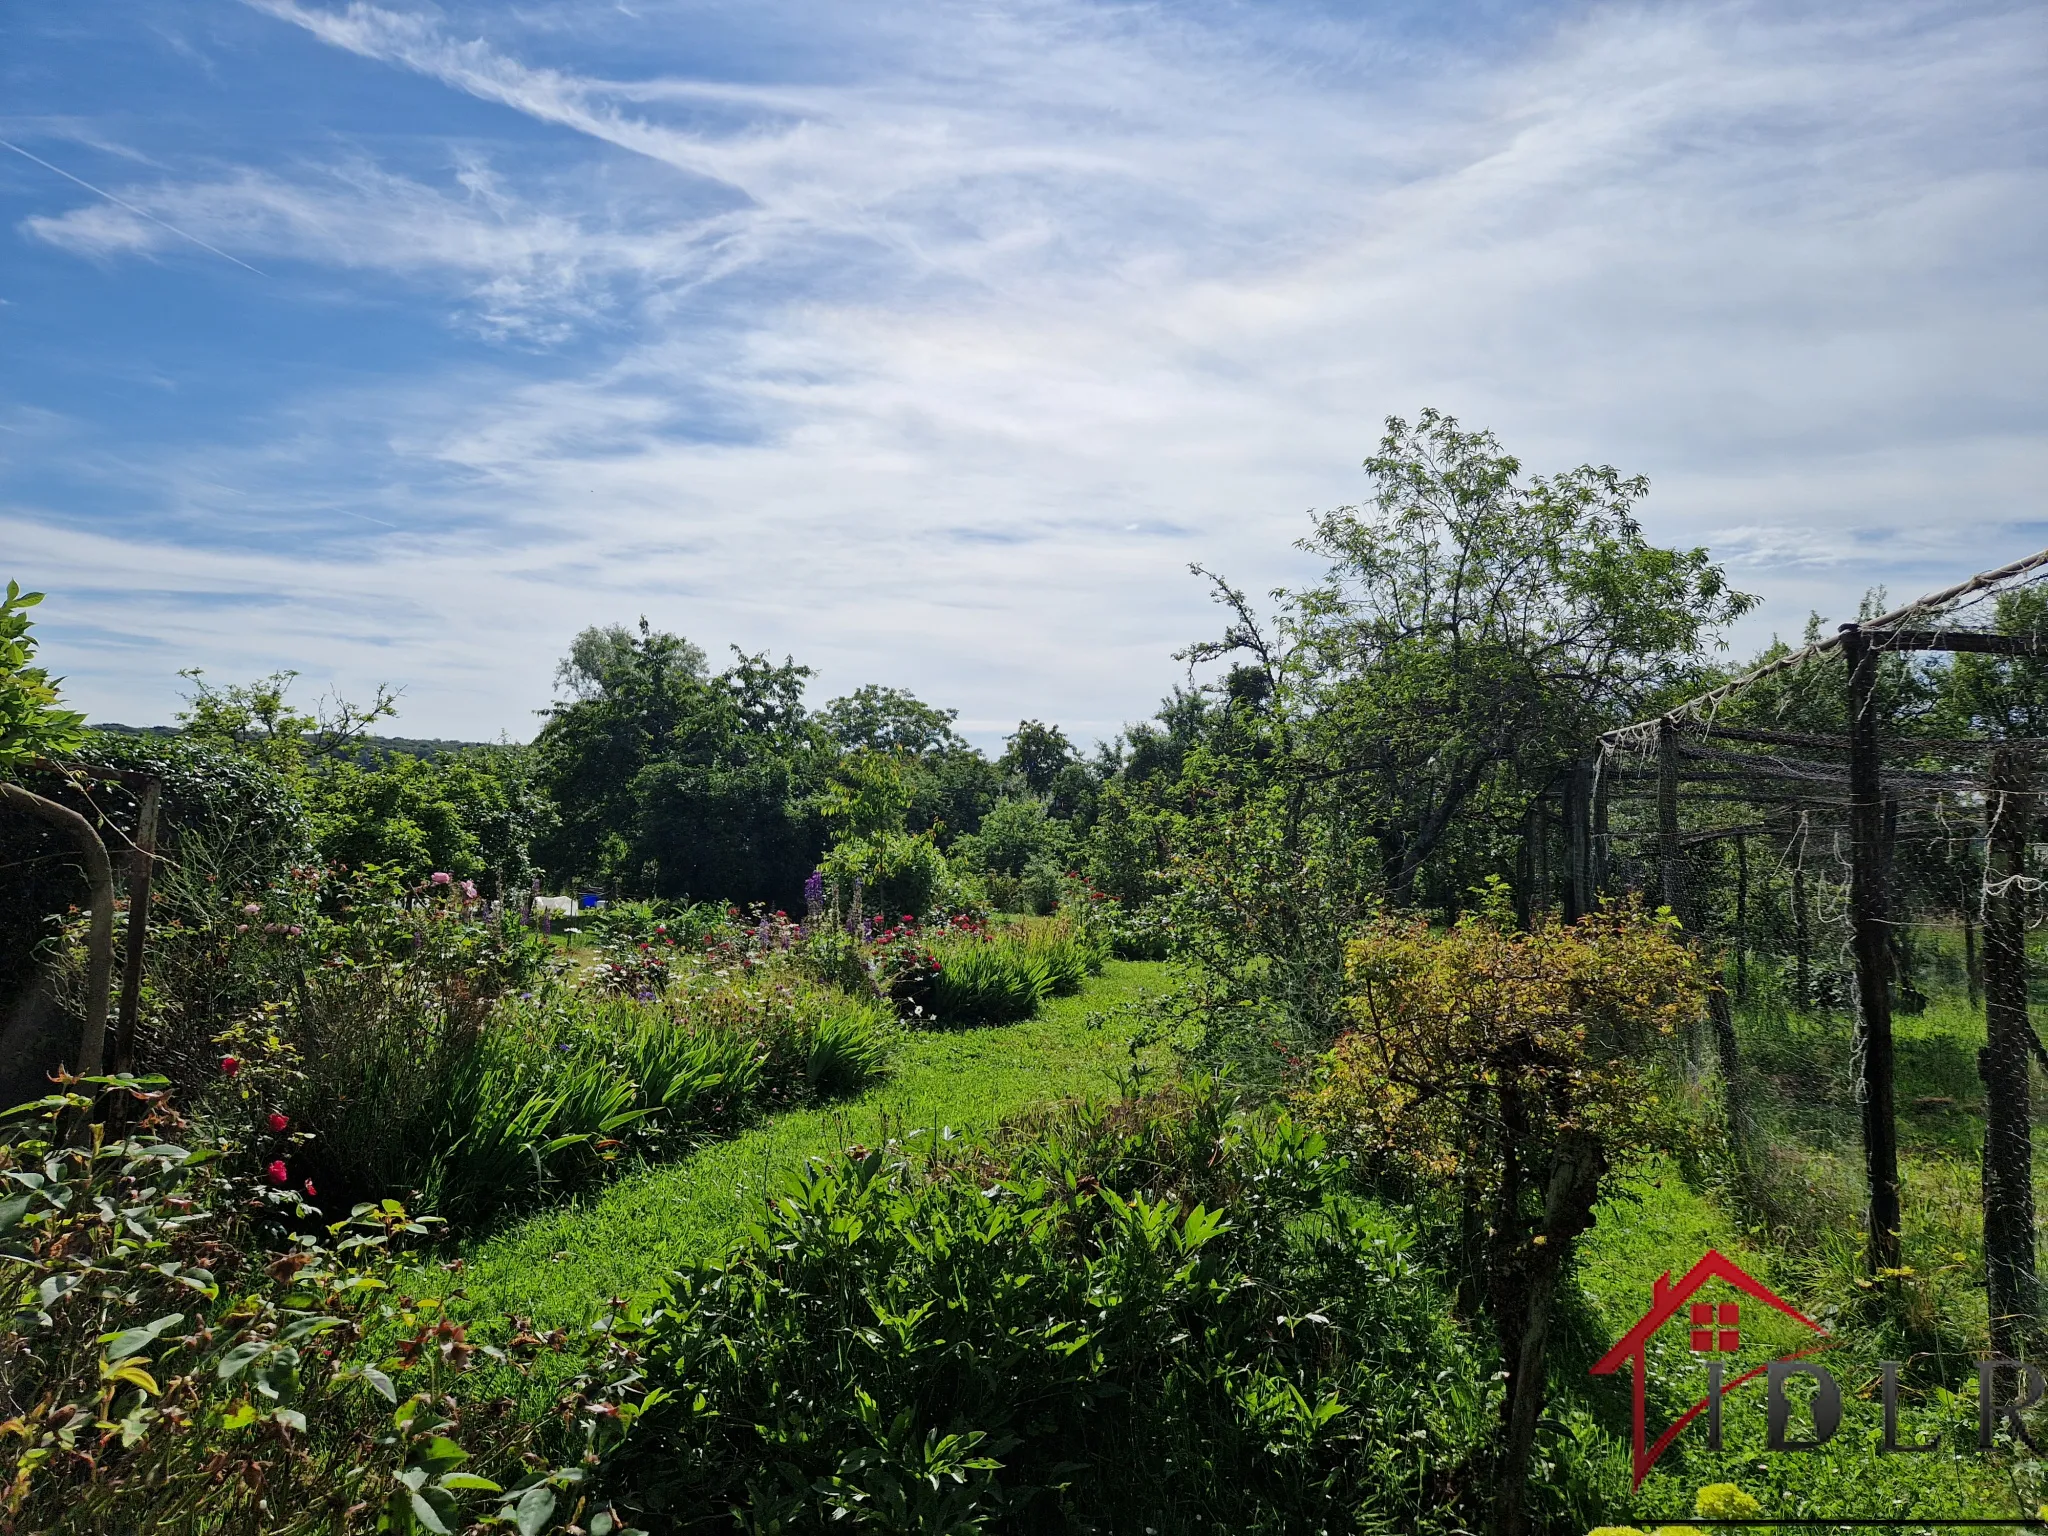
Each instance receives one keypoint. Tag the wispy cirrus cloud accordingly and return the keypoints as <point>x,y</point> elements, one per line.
<point>937,365</point>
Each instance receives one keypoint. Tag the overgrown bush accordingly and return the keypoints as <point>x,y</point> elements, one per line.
<point>402,1043</point>
<point>1164,1316</point>
<point>896,872</point>
<point>186,1348</point>
<point>1000,975</point>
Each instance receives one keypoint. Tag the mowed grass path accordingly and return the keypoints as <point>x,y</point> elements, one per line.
<point>560,1266</point>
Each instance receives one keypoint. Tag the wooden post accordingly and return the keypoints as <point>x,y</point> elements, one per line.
<point>1872,946</point>
<point>1578,841</point>
<point>141,867</point>
<point>2009,1273</point>
<point>1670,872</point>
<point>1678,897</point>
<point>1742,919</point>
<point>1802,924</point>
<point>1598,879</point>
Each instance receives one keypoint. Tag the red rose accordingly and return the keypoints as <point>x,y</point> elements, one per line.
<point>277,1121</point>
<point>279,1174</point>
<point>309,1189</point>
<point>229,1066</point>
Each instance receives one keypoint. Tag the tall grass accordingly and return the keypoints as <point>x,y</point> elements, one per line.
<point>1003,976</point>
<point>542,1097</point>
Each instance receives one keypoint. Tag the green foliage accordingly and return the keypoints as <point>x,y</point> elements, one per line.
<point>32,722</point>
<point>896,873</point>
<point>997,976</point>
<point>257,720</point>
<point>471,816</point>
<point>1037,754</point>
<point>889,720</point>
<point>670,783</point>
<point>1160,1316</point>
<point>423,1049</point>
<point>982,981</point>
<point>186,1349</point>
<point>868,795</point>
<point>226,824</point>
<point>1022,854</point>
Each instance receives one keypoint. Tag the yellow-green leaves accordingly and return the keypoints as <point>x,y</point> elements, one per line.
<point>31,722</point>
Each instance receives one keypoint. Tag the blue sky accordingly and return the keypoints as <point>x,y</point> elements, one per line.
<point>931,342</point>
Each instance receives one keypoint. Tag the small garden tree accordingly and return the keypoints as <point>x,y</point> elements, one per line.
<point>1516,1068</point>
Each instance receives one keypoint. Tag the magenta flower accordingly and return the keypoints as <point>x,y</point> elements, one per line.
<point>279,1174</point>
<point>441,877</point>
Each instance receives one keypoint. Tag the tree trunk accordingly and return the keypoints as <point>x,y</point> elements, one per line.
<point>99,939</point>
<point>1575,1174</point>
<point>2009,1273</point>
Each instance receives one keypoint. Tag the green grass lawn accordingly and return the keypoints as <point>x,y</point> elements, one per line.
<point>560,1266</point>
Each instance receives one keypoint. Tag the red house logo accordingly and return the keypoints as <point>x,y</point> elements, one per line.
<point>1715,1329</point>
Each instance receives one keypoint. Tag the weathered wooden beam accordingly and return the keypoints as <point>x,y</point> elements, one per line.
<point>1977,640</point>
<point>1872,945</point>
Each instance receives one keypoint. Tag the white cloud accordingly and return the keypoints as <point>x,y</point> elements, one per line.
<point>939,375</point>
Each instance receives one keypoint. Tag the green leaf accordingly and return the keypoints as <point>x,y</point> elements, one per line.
<point>441,1452</point>
<point>236,1360</point>
<point>535,1507</point>
<point>380,1383</point>
<point>290,1418</point>
<point>133,1341</point>
<point>238,1417</point>
<point>11,1211</point>
<point>470,1480</point>
<point>427,1515</point>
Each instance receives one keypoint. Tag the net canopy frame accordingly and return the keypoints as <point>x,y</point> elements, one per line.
<point>1847,834</point>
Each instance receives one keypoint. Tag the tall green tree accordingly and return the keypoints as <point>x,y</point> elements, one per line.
<point>668,782</point>
<point>1382,735</point>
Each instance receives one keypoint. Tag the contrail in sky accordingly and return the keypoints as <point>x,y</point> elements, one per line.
<point>139,213</point>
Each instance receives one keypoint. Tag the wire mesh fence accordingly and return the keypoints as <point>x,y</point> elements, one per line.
<point>1853,831</point>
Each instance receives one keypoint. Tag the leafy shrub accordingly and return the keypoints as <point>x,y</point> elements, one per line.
<point>988,981</point>
<point>896,872</point>
<point>1127,933</point>
<point>1163,1317</point>
<point>832,955</point>
<point>416,1069</point>
<point>188,1349</point>
<point>1517,1068</point>
<point>847,1050</point>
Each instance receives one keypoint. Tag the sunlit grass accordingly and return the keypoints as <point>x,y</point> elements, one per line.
<point>561,1266</point>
